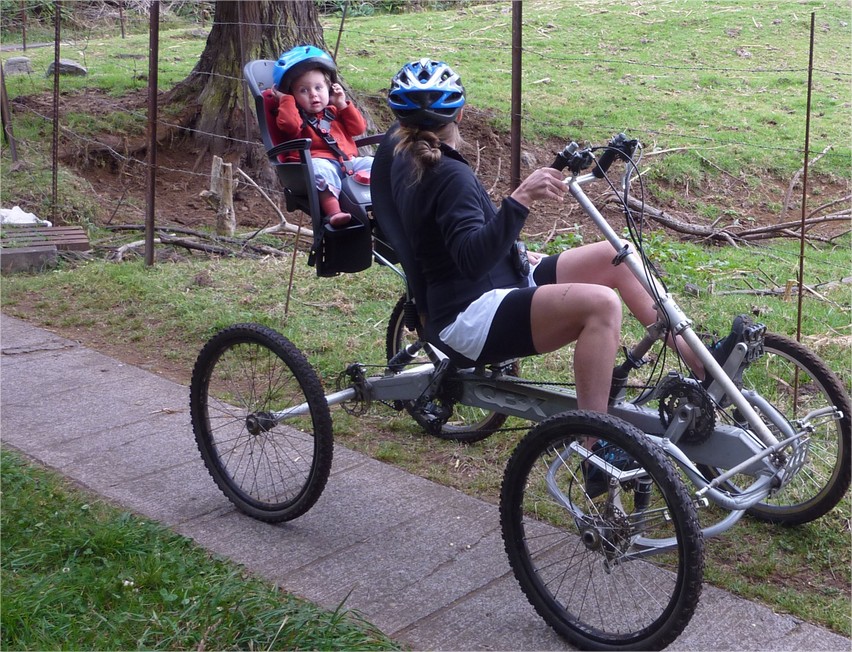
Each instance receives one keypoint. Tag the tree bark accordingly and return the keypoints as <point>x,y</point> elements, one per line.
<point>214,94</point>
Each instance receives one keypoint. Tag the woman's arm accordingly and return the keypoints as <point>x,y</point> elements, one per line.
<point>475,233</point>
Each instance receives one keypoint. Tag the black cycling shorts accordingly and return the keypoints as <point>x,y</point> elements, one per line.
<point>510,335</point>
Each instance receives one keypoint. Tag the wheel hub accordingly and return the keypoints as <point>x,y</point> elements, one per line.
<point>591,538</point>
<point>259,422</point>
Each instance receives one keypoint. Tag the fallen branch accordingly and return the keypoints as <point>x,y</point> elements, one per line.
<point>787,229</point>
<point>819,209</point>
<point>220,245</point>
<point>198,246</point>
<point>118,255</point>
<point>696,230</point>
<point>792,289</point>
<point>283,226</point>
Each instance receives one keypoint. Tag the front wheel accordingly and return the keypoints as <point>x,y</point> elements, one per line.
<point>467,424</point>
<point>611,554</point>
<point>261,422</point>
<point>794,381</point>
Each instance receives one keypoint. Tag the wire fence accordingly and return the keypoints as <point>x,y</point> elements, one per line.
<point>542,63</point>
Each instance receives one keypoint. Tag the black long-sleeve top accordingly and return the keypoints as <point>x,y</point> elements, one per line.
<point>460,241</point>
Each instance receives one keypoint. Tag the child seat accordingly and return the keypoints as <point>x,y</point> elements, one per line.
<point>334,250</point>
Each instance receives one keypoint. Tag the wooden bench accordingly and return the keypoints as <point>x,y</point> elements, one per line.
<point>27,247</point>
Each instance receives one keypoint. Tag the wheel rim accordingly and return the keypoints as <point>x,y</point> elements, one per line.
<point>604,570</point>
<point>266,464</point>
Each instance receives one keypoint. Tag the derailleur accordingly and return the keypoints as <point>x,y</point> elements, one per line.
<point>355,377</point>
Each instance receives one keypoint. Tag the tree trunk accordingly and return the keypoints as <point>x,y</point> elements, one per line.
<point>214,94</point>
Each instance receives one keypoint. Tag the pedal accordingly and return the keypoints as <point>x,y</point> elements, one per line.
<point>753,339</point>
<point>431,414</point>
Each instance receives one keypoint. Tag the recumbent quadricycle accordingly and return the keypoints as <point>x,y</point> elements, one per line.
<point>607,540</point>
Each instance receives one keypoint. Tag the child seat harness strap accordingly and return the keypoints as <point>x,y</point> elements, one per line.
<point>322,127</point>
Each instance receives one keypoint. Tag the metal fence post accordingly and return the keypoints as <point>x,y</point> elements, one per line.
<point>153,57</point>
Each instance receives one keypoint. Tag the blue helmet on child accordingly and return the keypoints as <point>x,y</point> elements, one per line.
<point>426,93</point>
<point>300,59</point>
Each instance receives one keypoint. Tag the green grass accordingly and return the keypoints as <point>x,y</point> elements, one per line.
<point>727,79</point>
<point>80,574</point>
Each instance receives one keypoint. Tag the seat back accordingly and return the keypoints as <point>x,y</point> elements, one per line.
<point>390,224</point>
<point>295,177</point>
<point>334,250</point>
<point>258,76</point>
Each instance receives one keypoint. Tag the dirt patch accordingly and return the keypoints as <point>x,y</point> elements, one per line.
<point>115,168</point>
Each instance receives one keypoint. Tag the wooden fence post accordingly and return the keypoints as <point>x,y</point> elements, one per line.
<point>221,196</point>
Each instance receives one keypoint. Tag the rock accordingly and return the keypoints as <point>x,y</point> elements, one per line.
<point>67,67</point>
<point>17,66</point>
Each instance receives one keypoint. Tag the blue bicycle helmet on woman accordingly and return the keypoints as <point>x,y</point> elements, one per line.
<point>299,60</point>
<point>426,93</point>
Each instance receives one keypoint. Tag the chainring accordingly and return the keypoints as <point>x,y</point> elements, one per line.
<point>676,392</point>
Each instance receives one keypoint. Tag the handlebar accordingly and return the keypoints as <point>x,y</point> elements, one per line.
<point>576,159</point>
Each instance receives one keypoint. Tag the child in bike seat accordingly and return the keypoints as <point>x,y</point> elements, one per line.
<point>313,105</point>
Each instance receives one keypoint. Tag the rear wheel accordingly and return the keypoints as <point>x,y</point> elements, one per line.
<point>787,382</point>
<point>271,465</point>
<point>615,562</point>
<point>467,424</point>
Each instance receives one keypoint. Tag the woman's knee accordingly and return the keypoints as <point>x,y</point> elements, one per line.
<point>605,302</point>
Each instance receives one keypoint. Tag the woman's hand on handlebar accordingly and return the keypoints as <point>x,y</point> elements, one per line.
<point>543,183</point>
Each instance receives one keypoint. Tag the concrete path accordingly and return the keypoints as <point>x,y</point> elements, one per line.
<point>423,562</point>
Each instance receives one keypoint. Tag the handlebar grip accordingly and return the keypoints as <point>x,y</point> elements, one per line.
<point>559,163</point>
<point>616,148</point>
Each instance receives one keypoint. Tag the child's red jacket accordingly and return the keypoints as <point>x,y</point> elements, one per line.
<point>347,124</point>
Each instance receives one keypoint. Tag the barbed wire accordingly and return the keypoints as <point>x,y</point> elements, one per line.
<point>501,48</point>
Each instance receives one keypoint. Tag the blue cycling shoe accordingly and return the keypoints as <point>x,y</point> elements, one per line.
<point>596,480</point>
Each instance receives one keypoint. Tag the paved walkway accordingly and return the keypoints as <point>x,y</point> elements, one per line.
<point>423,562</point>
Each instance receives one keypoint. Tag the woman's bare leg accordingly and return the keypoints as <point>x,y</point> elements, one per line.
<point>593,264</point>
<point>589,315</point>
